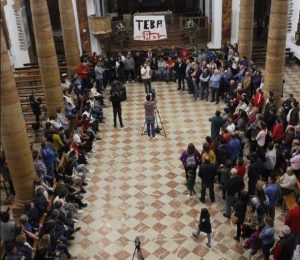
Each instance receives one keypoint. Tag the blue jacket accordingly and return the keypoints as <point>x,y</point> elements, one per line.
<point>271,191</point>
<point>215,80</point>
<point>267,235</point>
<point>234,147</point>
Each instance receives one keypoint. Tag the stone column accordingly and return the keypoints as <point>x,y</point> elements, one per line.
<point>246,28</point>
<point>14,137</point>
<point>276,49</point>
<point>69,35</point>
<point>46,56</point>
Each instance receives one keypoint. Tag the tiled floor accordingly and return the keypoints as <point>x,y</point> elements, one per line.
<point>138,185</point>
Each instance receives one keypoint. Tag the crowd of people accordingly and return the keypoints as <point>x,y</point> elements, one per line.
<point>61,166</point>
<point>266,136</point>
<point>251,142</point>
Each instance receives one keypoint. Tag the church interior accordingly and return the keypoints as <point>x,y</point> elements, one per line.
<point>138,129</point>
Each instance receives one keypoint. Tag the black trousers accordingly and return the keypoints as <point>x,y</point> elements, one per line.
<point>117,112</point>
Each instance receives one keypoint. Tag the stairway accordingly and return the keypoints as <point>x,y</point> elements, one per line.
<point>259,54</point>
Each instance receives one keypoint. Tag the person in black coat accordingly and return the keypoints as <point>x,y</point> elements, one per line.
<point>207,174</point>
<point>204,225</point>
<point>35,106</point>
<point>40,201</point>
<point>233,187</point>
<point>255,168</point>
<point>179,69</point>
<point>240,211</point>
<point>117,108</point>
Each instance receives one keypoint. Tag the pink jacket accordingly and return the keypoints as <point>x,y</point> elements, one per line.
<point>295,162</point>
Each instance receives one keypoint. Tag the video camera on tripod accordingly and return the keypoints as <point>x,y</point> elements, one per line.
<point>137,249</point>
<point>152,94</point>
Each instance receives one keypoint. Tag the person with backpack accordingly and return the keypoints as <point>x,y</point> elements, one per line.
<point>190,159</point>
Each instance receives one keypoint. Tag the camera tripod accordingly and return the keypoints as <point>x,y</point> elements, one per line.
<point>159,124</point>
<point>137,249</point>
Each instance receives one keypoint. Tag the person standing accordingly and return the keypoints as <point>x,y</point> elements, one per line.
<point>215,81</point>
<point>240,209</point>
<point>233,187</point>
<point>117,108</point>
<point>36,109</point>
<point>146,76</point>
<point>99,70</point>
<point>190,159</point>
<point>292,220</point>
<point>267,237</point>
<point>149,106</point>
<point>179,68</point>
<point>129,66</point>
<point>285,247</point>
<point>207,174</point>
<point>216,123</point>
<point>204,81</point>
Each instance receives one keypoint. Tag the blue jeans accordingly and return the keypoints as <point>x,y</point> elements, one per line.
<point>230,200</point>
<point>150,121</point>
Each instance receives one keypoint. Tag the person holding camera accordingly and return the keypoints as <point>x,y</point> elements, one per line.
<point>117,108</point>
<point>146,76</point>
<point>149,106</point>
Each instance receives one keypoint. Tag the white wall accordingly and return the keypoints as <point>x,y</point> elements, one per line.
<point>77,24</point>
<point>216,36</point>
<point>18,57</point>
<point>290,38</point>
<point>235,21</point>
<point>95,45</point>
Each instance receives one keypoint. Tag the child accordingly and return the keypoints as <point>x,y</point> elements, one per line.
<point>191,183</point>
<point>204,226</point>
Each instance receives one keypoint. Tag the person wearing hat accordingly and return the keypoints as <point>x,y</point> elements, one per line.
<point>285,246</point>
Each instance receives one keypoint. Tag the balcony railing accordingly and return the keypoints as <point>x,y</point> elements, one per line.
<point>99,25</point>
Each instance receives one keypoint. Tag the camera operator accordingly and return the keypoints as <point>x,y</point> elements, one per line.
<point>149,106</point>
<point>146,76</point>
<point>115,99</point>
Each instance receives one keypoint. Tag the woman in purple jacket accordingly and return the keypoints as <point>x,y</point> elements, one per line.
<point>190,159</point>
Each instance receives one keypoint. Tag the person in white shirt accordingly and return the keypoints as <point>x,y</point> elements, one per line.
<point>146,76</point>
<point>262,134</point>
<point>270,161</point>
<point>61,119</point>
<point>288,181</point>
<point>235,61</point>
<point>162,69</point>
<point>231,126</point>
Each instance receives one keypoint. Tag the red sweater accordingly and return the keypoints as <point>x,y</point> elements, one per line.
<point>278,132</point>
<point>293,220</point>
<point>241,170</point>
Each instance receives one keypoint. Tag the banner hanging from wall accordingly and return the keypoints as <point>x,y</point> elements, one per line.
<point>149,28</point>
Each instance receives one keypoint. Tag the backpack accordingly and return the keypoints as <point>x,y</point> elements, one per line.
<point>191,161</point>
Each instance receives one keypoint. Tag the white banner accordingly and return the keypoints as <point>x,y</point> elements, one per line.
<point>149,28</point>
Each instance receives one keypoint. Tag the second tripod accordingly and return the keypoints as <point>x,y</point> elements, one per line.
<point>159,129</point>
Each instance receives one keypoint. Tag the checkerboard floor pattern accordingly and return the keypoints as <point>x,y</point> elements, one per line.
<point>138,188</point>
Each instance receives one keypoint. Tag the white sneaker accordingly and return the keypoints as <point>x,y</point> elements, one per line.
<point>188,195</point>
<point>88,179</point>
<point>79,211</point>
<point>154,137</point>
<point>75,220</point>
<point>93,151</point>
<point>91,171</point>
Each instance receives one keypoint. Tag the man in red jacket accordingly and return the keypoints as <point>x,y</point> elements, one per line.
<point>293,221</point>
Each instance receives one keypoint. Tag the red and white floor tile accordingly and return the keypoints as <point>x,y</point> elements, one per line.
<point>138,188</point>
